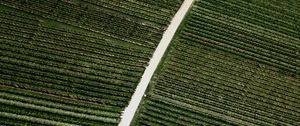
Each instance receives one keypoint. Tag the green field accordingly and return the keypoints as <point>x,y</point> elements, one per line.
<point>76,62</point>
<point>231,63</point>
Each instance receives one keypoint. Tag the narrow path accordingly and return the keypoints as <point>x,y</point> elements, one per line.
<point>129,112</point>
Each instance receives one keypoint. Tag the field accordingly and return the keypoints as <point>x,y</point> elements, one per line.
<point>231,63</point>
<point>75,62</point>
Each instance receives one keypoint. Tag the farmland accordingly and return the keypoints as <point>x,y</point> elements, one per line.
<point>75,62</point>
<point>231,63</point>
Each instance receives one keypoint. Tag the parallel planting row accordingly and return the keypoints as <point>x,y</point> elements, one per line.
<point>232,63</point>
<point>78,62</point>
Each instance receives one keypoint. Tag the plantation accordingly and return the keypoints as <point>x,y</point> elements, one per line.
<point>231,63</point>
<point>75,62</point>
<point>78,62</point>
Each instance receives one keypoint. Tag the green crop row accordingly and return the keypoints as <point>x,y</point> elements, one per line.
<point>124,7</point>
<point>74,55</point>
<point>231,63</point>
<point>18,120</point>
<point>83,43</point>
<point>219,55</point>
<point>45,103</point>
<point>247,54</point>
<point>114,29</point>
<point>242,43</point>
<point>247,29</point>
<point>19,108</point>
<point>243,12</point>
<point>216,76</point>
<point>218,83</point>
<point>75,68</point>
<point>58,99</point>
<point>234,75</point>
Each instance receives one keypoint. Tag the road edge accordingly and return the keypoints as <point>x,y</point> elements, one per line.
<point>130,110</point>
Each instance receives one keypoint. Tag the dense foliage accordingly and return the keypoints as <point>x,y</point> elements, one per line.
<point>234,62</point>
<point>74,61</point>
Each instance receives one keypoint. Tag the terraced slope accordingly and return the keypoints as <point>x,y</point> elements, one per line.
<point>75,61</point>
<point>232,63</point>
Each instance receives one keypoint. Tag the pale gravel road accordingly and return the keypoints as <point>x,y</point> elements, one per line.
<point>130,110</point>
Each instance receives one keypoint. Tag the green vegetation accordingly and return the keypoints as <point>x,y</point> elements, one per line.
<point>232,63</point>
<point>75,62</point>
